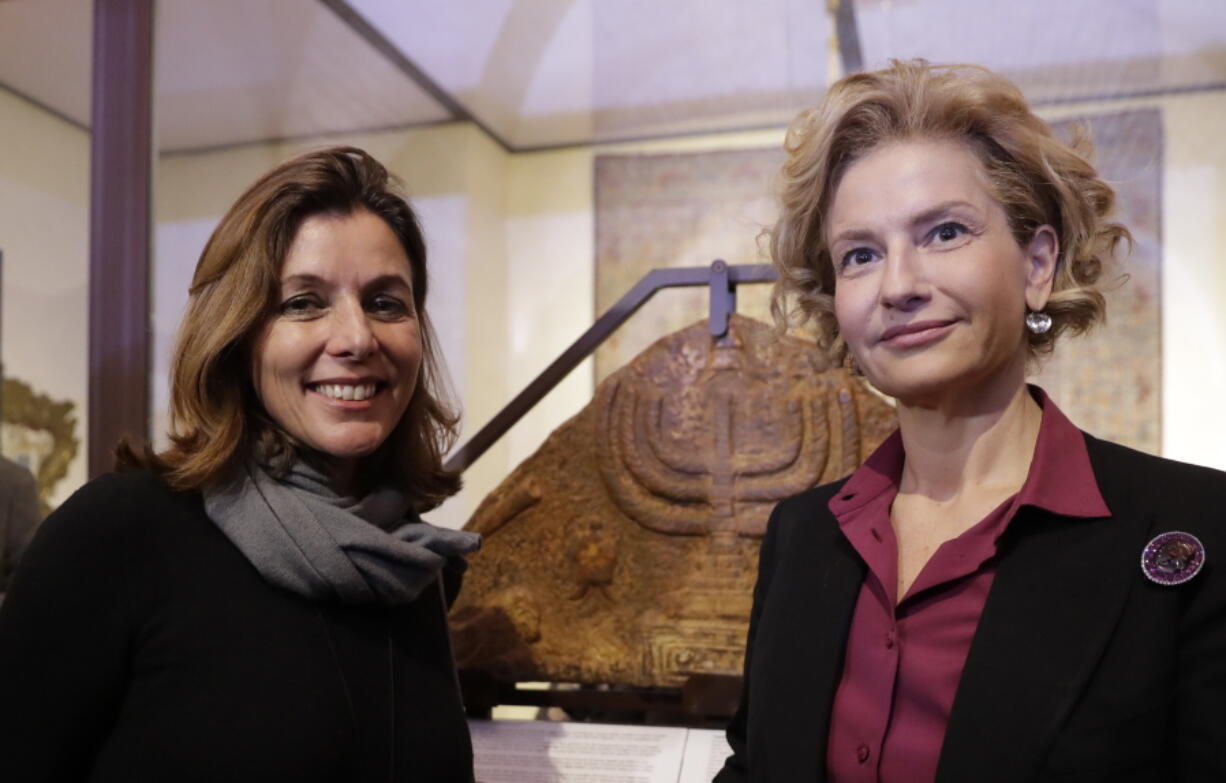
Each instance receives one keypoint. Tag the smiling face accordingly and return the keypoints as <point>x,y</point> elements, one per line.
<point>337,363</point>
<point>931,288</point>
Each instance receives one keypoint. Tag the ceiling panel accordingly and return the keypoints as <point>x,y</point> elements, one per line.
<point>550,72</point>
<point>454,38</point>
<point>225,71</point>
<point>1058,50</point>
<point>232,71</point>
<point>487,53</point>
<point>45,52</point>
<point>698,65</point>
<point>543,72</point>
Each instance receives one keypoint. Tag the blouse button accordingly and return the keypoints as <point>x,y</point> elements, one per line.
<point>862,753</point>
<point>889,640</point>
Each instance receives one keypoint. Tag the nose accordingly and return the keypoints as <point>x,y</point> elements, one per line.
<point>350,335</point>
<point>903,283</point>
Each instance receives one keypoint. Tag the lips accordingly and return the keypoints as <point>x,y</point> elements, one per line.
<point>916,333</point>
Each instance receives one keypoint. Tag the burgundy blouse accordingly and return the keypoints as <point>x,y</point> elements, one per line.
<point>904,657</point>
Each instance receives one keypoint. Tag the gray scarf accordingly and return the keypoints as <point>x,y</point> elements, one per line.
<point>302,536</point>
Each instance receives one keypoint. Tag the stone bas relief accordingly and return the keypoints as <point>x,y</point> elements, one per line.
<point>625,549</point>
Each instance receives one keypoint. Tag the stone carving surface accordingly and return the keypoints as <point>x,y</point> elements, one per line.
<point>625,549</point>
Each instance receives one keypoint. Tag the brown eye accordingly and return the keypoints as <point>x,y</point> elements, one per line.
<point>387,306</point>
<point>304,304</point>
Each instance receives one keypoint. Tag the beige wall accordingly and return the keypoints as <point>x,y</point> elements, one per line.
<point>549,283</point>
<point>1194,281</point>
<point>44,234</point>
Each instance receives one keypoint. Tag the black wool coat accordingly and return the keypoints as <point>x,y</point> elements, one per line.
<point>1081,669</point>
<point>138,644</point>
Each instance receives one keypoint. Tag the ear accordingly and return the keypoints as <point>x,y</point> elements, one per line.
<point>1041,255</point>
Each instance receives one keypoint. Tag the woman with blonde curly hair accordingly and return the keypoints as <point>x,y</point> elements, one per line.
<point>994,595</point>
<point>261,601</point>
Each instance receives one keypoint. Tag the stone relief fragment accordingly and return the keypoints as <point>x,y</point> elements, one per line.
<point>625,549</point>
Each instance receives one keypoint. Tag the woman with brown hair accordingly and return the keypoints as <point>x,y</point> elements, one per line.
<point>261,601</point>
<point>994,595</point>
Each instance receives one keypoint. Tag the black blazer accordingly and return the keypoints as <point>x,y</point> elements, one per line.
<point>1081,668</point>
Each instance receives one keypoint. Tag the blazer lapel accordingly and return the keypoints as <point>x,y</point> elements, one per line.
<point>1054,603</point>
<point>810,637</point>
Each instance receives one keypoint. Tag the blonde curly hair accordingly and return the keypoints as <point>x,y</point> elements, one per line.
<point>1038,180</point>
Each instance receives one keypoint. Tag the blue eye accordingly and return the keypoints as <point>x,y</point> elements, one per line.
<point>858,257</point>
<point>948,232</point>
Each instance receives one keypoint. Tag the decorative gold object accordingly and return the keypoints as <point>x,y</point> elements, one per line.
<point>625,549</point>
<point>40,433</point>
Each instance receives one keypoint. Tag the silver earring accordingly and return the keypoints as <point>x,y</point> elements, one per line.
<point>1038,322</point>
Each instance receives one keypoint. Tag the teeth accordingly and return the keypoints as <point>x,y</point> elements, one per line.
<point>346,391</point>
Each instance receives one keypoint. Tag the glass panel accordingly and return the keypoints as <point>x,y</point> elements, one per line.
<point>45,55</point>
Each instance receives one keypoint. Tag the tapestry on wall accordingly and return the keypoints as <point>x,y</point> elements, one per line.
<point>689,209</point>
<point>1110,382</point>
<point>677,210</point>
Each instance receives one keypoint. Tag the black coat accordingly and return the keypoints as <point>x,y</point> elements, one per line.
<point>138,644</point>
<point>1081,669</point>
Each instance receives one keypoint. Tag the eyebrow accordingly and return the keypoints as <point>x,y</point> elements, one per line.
<point>927,216</point>
<point>382,281</point>
<point>302,279</point>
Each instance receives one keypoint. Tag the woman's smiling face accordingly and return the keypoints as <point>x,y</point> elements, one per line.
<point>337,363</point>
<point>931,288</point>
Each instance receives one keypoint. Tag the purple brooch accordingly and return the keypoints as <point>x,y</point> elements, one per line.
<point>1172,558</point>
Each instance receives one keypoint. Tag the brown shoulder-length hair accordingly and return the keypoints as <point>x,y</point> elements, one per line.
<point>216,418</point>
<point>1038,180</point>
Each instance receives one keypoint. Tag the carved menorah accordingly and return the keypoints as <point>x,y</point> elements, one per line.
<point>714,458</point>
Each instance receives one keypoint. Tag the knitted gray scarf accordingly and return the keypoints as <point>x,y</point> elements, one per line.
<point>302,536</point>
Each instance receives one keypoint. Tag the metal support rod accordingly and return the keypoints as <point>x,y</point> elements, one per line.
<point>722,299</point>
<point>727,275</point>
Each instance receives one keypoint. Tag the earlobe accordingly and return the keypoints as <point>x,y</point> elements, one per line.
<point>1042,254</point>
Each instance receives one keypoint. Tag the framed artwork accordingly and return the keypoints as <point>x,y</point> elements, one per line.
<point>1109,382</point>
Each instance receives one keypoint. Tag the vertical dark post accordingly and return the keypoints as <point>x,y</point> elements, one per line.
<point>121,155</point>
<point>849,37</point>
